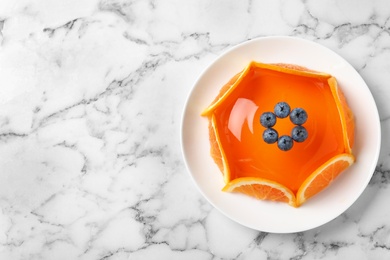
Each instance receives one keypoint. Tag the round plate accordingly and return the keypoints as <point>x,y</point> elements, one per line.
<point>272,216</point>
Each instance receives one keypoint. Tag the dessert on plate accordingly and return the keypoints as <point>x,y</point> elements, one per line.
<point>280,132</point>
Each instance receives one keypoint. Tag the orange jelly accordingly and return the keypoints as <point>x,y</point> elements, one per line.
<point>240,131</point>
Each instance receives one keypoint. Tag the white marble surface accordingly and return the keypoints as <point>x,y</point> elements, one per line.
<point>91,97</point>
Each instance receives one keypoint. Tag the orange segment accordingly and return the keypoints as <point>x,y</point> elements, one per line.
<point>323,176</point>
<point>216,151</point>
<point>346,115</point>
<point>226,90</point>
<point>261,189</point>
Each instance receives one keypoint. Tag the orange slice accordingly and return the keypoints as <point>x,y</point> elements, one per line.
<point>346,115</point>
<point>216,151</point>
<point>262,189</point>
<point>226,90</point>
<point>323,176</point>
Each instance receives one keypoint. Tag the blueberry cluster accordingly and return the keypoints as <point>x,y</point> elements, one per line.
<point>298,117</point>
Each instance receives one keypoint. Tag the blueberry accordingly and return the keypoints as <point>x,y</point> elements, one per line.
<point>268,119</point>
<point>285,143</point>
<point>282,109</point>
<point>299,134</point>
<point>298,116</point>
<point>270,135</point>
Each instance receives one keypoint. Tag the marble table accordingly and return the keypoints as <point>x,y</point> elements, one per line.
<point>92,94</point>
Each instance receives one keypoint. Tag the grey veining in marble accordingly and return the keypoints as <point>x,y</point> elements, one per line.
<point>91,97</point>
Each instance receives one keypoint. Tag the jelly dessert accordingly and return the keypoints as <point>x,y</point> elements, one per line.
<point>280,132</point>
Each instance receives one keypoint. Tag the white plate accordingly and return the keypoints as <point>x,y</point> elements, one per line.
<point>270,216</point>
